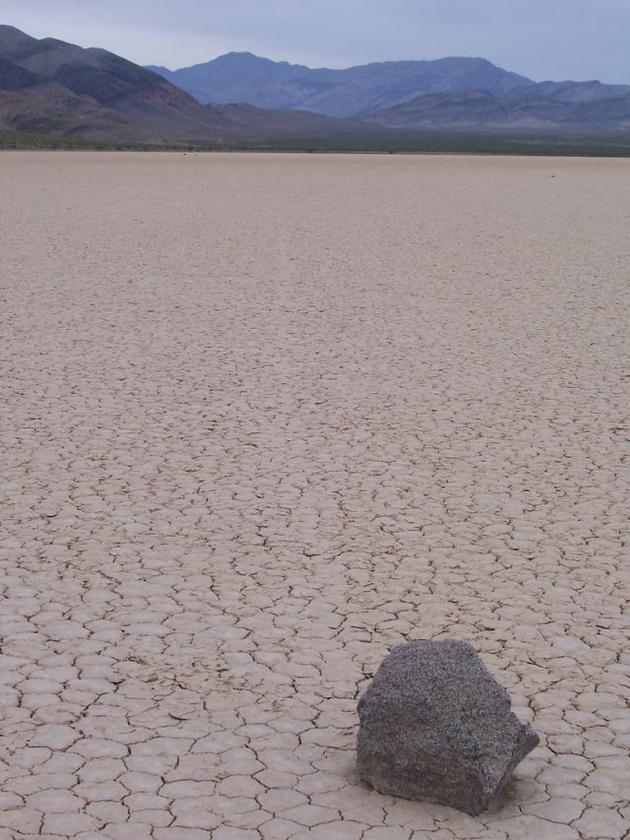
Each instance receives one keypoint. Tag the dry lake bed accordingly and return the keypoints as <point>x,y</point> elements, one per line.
<point>262,418</point>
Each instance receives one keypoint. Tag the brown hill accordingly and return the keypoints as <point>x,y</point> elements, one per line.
<point>51,87</point>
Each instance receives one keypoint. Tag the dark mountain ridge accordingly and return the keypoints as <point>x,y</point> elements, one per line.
<point>48,85</point>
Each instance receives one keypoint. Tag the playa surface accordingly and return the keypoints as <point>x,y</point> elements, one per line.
<point>264,417</point>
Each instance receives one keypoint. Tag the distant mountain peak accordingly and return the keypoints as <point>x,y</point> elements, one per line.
<point>242,58</point>
<point>246,77</point>
<point>243,54</point>
<point>7,29</point>
<point>10,35</point>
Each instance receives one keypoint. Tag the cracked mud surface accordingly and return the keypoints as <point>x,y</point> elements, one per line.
<point>263,418</point>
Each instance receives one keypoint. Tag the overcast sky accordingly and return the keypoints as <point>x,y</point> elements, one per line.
<point>543,39</point>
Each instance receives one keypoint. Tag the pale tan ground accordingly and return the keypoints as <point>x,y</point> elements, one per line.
<point>263,418</point>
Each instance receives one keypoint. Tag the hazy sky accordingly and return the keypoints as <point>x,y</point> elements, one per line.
<point>543,39</point>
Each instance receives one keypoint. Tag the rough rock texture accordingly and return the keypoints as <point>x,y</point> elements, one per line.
<point>436,725</point>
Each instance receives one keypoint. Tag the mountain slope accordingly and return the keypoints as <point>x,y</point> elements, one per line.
<point>50,87</point>
<point>529,111</point>
<point>248,122</point>
<point>581,91</point>
<point>243,77</point>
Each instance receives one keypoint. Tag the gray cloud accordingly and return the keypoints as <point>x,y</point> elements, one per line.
<point>580,39</point>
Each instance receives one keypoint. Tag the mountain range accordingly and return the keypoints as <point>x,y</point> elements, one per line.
<point>50,87</point>
<point>470,93</point>
<point>54,88</point>
<point>243,77</point>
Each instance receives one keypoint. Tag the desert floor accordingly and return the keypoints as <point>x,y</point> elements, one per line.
<point>264,417</point>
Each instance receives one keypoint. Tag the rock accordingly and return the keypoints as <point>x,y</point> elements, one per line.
<point>435,724</point>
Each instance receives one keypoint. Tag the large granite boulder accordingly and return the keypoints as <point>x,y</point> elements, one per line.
<point>434,724</point>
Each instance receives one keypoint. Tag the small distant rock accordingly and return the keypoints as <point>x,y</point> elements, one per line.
<point>435,725</point>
